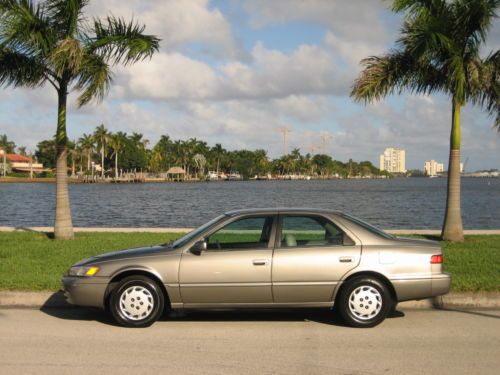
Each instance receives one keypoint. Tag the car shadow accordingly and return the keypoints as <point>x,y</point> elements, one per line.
<point>56,306</point>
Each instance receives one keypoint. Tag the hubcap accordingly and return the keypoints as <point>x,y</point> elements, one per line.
<point>365,302</point>
<point>136,303</point>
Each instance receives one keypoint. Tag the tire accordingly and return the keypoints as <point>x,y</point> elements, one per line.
<point>137,301</point>
<point>364,302</point>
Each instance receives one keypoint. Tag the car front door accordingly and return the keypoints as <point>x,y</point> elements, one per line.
<point>311,256</point>
<point>236,266</point>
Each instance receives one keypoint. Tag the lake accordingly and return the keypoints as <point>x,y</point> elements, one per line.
<point>413,203</point>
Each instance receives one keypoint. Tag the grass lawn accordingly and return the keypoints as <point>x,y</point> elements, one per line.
<point>32,261</point>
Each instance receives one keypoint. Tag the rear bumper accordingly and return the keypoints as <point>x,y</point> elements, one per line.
<point>84,291</point>
<point>441,284</point>
<point>411,289</point>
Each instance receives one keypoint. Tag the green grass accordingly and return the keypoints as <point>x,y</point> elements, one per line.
<point>32,261</point>
<point>474,264</point>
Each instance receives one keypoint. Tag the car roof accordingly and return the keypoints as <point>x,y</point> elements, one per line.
<point>282,210</point>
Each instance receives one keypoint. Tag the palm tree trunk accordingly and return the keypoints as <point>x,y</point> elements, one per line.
<point>102,161</point>
<point>63,225</point>
<point>452,226</point>
<point>116,164</point>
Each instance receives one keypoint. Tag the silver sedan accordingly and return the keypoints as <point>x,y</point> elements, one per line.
<point>264,258</point>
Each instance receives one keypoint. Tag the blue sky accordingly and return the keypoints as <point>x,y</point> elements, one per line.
<point>233,72</point>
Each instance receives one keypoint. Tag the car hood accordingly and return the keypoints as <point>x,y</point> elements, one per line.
<point>128,253</point>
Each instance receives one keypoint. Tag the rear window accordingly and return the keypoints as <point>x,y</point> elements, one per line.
<point>370,228</point>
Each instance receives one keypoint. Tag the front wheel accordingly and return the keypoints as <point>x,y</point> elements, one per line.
<point>137,301</point>
<point>364,302</point>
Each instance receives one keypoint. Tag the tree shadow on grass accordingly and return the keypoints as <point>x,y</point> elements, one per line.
<point>49,235</point>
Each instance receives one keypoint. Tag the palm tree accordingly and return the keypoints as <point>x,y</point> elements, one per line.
<point>51,42</point>
<point>73,153</point>
<point>6,145</point>
<point>101,136</point>
<point>86,142</point>
<point>218,152</point>
<point>117,142</point>
<point>439,51</point>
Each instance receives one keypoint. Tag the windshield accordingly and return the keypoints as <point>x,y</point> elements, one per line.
<point>188,237</point>
<point>368,227</point>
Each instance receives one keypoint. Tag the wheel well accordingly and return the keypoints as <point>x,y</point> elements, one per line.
<point>376,275</point>
<point>117,278</point>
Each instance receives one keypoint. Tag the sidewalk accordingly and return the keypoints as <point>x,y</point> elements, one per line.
<point>479,300</point>
<point>431,232</point>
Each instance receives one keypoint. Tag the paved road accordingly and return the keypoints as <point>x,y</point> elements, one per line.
<point>81,341</point>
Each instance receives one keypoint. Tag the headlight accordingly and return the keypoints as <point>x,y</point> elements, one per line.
<point>83,271</point>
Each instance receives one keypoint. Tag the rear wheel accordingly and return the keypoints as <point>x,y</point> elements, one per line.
<point>137,301</point>
<point>364,302</point>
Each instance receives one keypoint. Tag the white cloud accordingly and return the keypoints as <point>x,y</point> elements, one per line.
<point>177,22</point>
<point>352,20</point>
<point>273,74</point>
<point>170,76</point>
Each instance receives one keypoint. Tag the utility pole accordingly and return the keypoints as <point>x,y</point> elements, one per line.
<point>312,149</point>
<point>325,137</point>
<point>284,130</point>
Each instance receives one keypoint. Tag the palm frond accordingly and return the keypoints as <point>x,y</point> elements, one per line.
<point>393,73</point>
<point>17,69</point>
<point>66,16</point>
<point>487,95</point>
<point>24,27</point>
<point>416,7</point>
<point>93,79</point>
<point>473,20</point>
<point>120,41</point>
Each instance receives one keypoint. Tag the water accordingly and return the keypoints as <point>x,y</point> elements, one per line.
<point>416,203</point>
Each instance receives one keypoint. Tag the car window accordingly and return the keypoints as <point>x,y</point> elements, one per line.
<point>188,237</point>
<point>246,233</point>
<point>300,231</point>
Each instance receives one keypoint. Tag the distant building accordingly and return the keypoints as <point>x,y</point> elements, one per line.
<point>393,160</point>
<point>432,168</point>
<point>22,163</point>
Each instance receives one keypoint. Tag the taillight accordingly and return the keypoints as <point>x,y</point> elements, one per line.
<point>436,259</point>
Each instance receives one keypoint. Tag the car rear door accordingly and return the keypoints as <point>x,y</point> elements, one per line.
<point>236,267</point>
<point>312,253</point>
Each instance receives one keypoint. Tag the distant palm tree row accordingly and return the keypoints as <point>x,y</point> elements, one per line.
<point>120,151</point>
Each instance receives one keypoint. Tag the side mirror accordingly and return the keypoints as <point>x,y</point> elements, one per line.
<point>198,247</point>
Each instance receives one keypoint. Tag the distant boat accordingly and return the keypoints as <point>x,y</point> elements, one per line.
<point>234,176</point>
<point>433,176</point>
<point>212,176</point>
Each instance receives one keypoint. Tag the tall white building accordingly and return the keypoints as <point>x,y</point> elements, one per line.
<point>393,160</point>
<point>432,168</point>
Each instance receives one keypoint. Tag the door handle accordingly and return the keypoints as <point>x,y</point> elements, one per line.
<point>260,262</point>
<point>345,259</point>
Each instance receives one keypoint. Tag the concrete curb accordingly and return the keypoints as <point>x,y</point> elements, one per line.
<point>430,232</point>
<point>479,300</point>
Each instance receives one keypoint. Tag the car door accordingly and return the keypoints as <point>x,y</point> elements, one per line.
<point>311,255</point>
<point>236,266</point>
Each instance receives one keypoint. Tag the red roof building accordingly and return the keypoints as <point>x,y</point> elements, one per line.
<point>22,163</point>
<point>14,158</point>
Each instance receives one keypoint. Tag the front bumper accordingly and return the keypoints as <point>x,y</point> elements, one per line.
<point>85,291</point>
